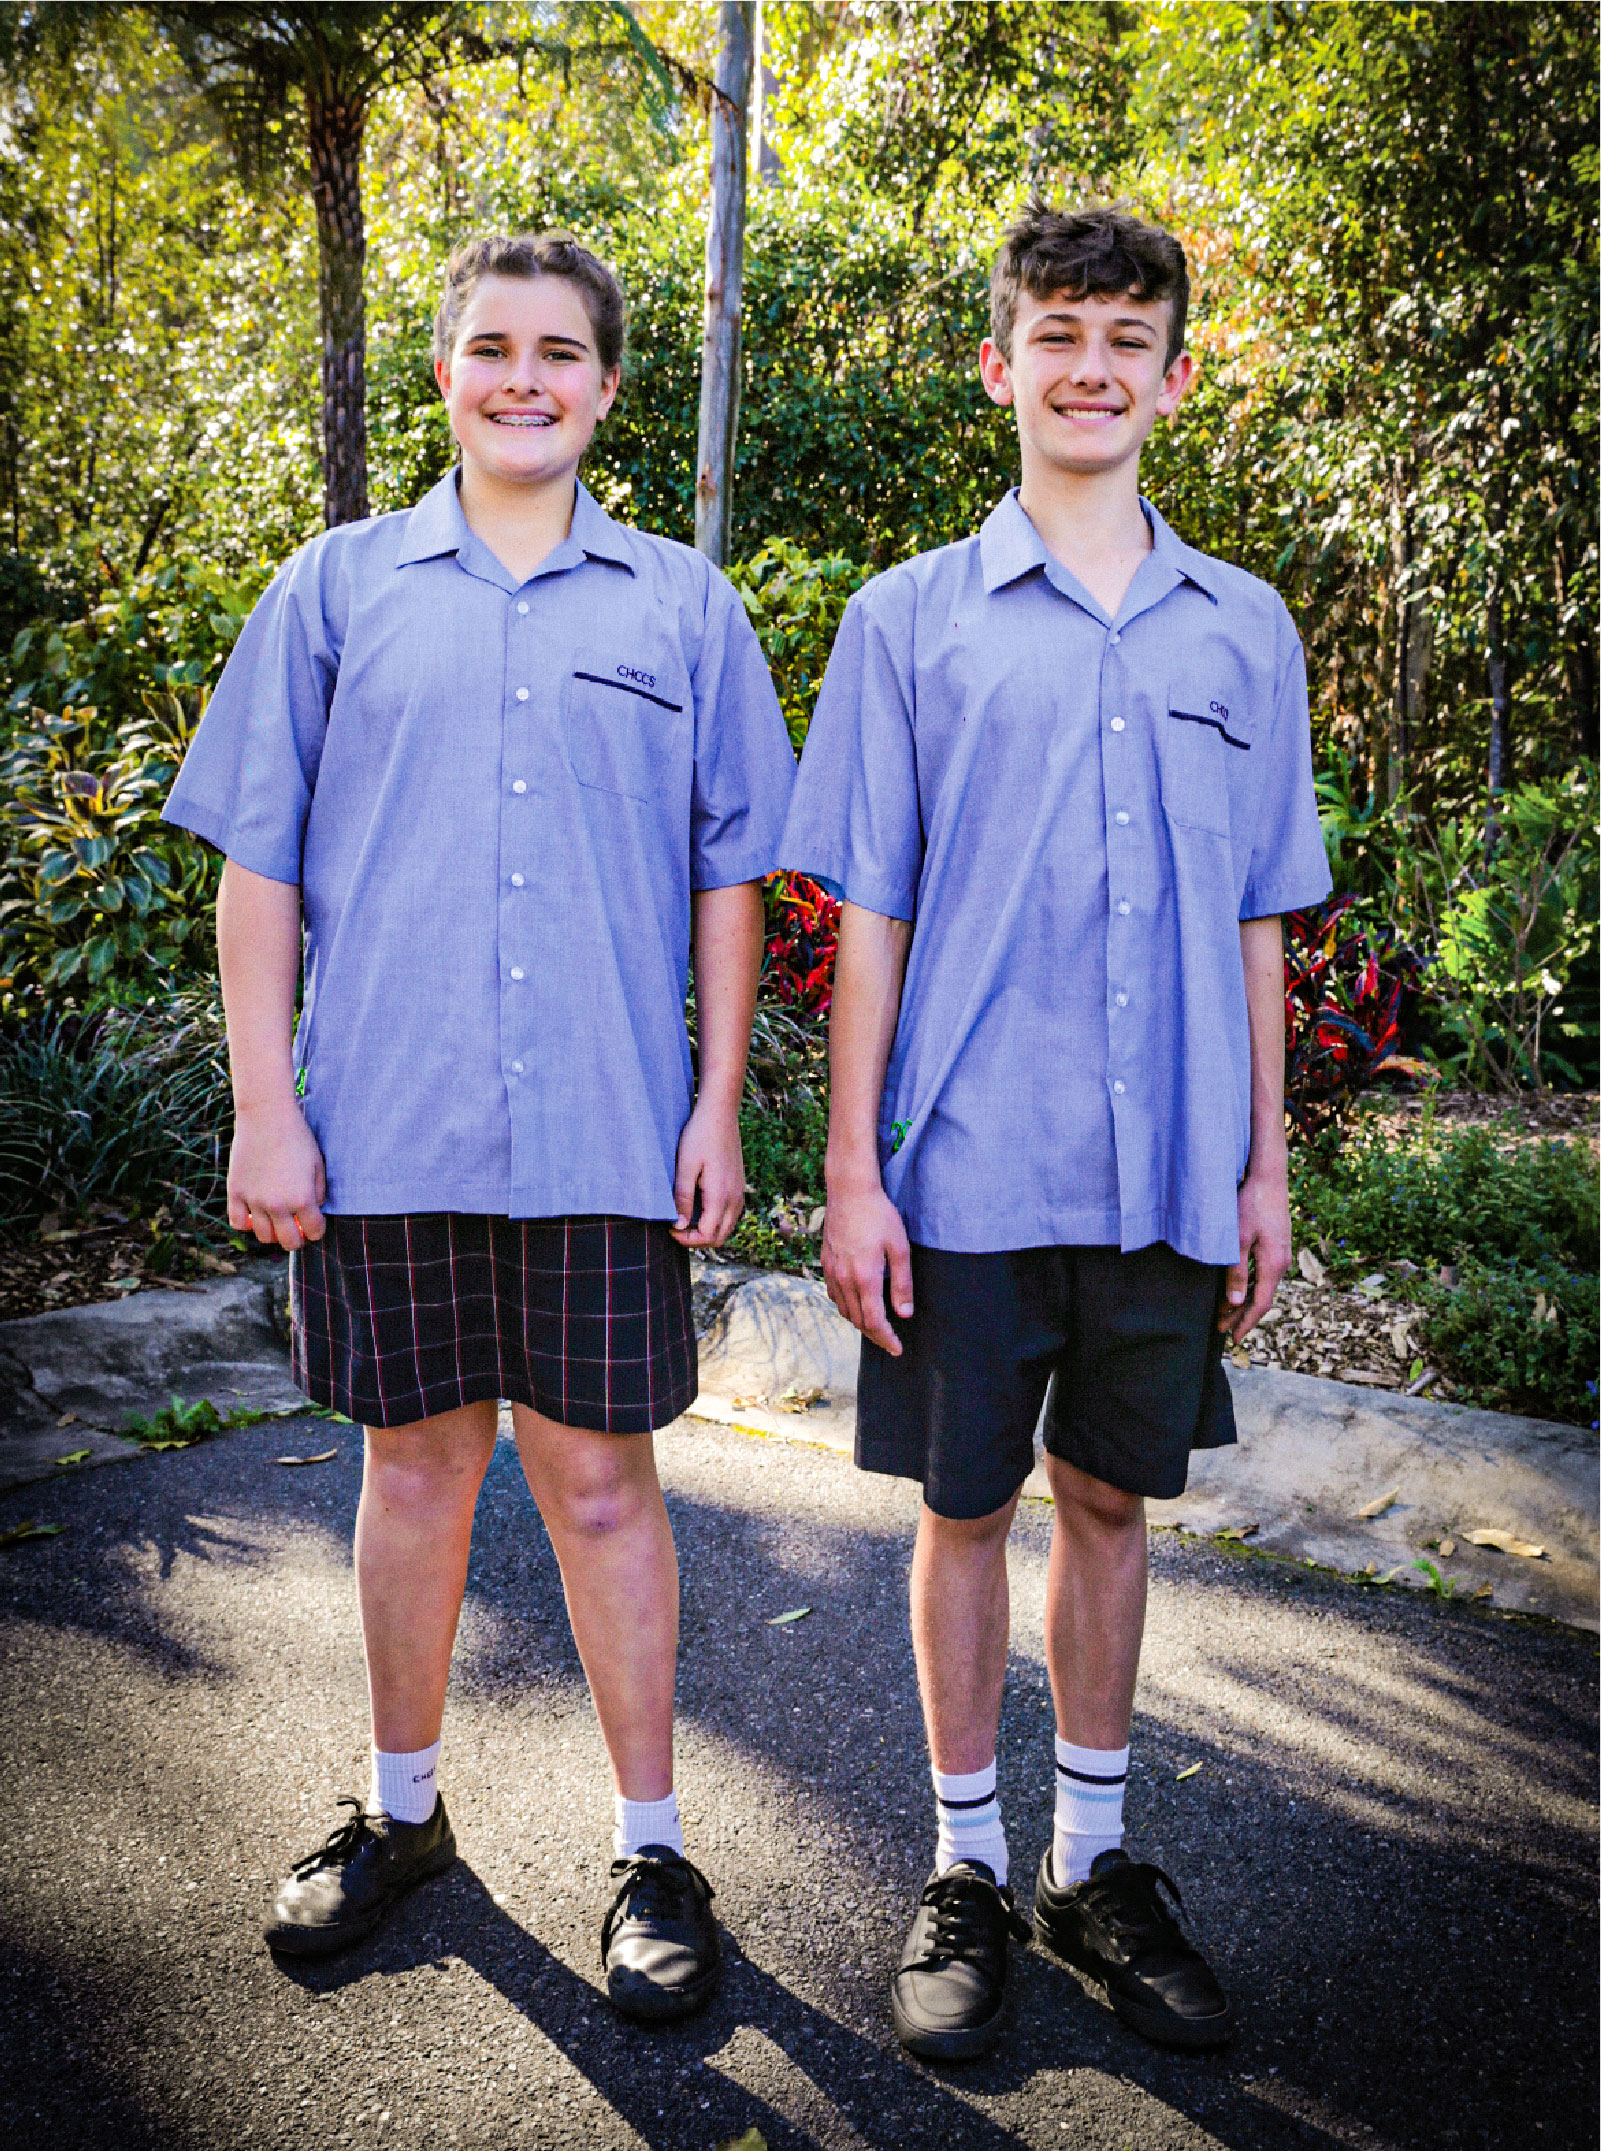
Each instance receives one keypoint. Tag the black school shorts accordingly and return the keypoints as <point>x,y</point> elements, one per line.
<point>1127,1345</point>
<point>585,1319</point>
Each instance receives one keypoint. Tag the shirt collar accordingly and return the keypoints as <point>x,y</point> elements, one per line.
<point>437,525</point>
<point>1009,546</point>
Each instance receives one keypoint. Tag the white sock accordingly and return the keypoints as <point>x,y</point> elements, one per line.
<point>1089,1808</point>
<point>969,1820</point>
<point>405,1786</point>
<point>646,1822</point>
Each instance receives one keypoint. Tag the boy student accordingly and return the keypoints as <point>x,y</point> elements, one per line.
<point>1061,772</point>
<point>502,758</point>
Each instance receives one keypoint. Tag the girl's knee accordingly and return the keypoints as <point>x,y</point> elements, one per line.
<point>595,1490</point>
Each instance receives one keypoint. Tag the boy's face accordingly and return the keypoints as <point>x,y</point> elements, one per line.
<point>1088,379</point>
<point>523,383</point>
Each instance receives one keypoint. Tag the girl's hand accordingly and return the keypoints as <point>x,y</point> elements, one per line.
<point>710,1160</point>
<point>276,1181</point>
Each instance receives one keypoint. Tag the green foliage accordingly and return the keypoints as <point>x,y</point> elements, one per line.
<point>783,1127</point>
<point>176,1425</point>
<point>1518,1223</point>
<point>1519,1339</point>
<point>129,1109</point>
<point>796,603</point>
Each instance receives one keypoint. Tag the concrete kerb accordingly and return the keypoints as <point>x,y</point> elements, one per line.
<point>779,1362</point>
<point>1312,1455</point>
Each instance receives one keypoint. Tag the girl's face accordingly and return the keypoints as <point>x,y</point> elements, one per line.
<point>523,384</point>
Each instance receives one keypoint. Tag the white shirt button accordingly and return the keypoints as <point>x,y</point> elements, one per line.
<point>1121,819</point>
<point>522,604</point>
<point>522,694</point>
<point>1122,1000</point>
<point>1116,637</point>
<point>1122,907</point>
<point>516,881</point>
<point>1117,724</point>
<point>518,785</point>
<point>515,972</point>
<point>516,1067</point>
<point>1118,1087</point>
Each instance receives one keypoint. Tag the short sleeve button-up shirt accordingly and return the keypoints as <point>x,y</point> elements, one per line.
<point>497,798</point>
<point>1076,812</point>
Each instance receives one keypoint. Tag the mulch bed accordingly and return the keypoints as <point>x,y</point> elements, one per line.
<point>103,1262</point>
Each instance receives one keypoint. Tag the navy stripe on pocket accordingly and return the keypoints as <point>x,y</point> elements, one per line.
<point>1219,724</point>
<point>627,687</point>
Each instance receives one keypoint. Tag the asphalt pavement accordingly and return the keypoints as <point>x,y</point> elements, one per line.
<point>1389,1848</point>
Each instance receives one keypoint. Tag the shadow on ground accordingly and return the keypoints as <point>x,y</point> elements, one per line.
<point>1389,1845</point>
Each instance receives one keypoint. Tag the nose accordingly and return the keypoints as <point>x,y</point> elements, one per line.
<point>1089,367</point>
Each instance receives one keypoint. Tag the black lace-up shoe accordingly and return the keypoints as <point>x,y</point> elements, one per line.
<point>343,1890</point>
<point>1117,1928</point>
<point>658,1941</point>
<point>948,1996</point>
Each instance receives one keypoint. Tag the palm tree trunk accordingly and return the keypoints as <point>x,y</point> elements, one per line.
<point>725,276</point>
<point>336,126</point>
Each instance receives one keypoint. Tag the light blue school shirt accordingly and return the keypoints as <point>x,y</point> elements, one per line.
<point>496,798</point>
<point>1075,812</point>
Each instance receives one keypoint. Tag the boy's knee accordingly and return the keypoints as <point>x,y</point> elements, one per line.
<point>957,1534</point>
<point>1082,1500</point>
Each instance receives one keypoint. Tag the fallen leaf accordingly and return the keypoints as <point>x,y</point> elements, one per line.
<point>1504,1542</point>
<point>1420,1382</point>
<point>1447,1549</point>
<point>1401,1342</point>
<point>74,1456</point>
<point>1238,1531</point>
<point>795,1613</point>
<point>752,2140</point>
<point>814,1224</point>
<point>166,1445</point>
<point>1485,1590</point>
<point>1372,1569</point>
<point>1363,1375</point>
<point>67,1419</point>
<point>1377,1507</point>
<point>323,1456</point>
<point>1240,1357</point>
<point>1372,1286</point>
<point>1310,1268</point>
<point>1188,1772</point>
<point>30,1530</point>
<point>794,1399</point>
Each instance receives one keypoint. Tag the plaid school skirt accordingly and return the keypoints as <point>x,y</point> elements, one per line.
<point>585,1319</point>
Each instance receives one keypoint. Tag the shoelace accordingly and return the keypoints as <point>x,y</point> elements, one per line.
<point>651,1889</point>
<point>965,1909</point>
<point>1141,1918</point>
<point>344,1841</point>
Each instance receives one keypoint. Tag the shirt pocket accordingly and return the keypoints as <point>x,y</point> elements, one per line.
<point>627,721</point>
<point>1200,735</point>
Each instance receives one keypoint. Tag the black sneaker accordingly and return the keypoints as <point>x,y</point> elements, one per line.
<point>343,1890</point>
<point>1117,1928</point>
<point>948,1996</point>
<point>658,1942</point>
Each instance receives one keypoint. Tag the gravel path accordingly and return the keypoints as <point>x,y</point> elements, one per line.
<point>1390,1845</point>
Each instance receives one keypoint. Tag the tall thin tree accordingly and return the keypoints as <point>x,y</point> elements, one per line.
<point>725,275</point>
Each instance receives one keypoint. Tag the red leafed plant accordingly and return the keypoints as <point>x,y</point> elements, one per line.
<point>1350,988</point>
<point>802,935</point>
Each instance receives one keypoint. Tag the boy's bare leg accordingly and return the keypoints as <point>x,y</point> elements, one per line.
<point>1094,1606</point>
<point>413,1536</point>
<point>602,1505</point>
<point>961,1615</point>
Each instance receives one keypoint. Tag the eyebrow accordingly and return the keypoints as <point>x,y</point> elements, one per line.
<point>503,336</point>
<point>1119,321</point>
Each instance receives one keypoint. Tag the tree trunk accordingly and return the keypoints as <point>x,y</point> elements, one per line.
<point>725,275</point>
<point>1500,717</point>
<point>336,126</point>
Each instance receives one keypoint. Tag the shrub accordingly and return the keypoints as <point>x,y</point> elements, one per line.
<point>1350,990</point>
<point>802,940</point>
<point>1518,1339</point>
<point>796,601</point>
<point>130,1108</point>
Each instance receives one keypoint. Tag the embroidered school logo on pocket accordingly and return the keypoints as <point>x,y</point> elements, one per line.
<point>628,724</point>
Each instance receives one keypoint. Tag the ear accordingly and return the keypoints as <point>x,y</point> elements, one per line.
<point>610,381</point>
<point>995,372</point>
<point>442,376</point>
<point>1176,384</point>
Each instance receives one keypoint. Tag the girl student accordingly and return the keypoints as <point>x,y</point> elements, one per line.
<point>499,763</point>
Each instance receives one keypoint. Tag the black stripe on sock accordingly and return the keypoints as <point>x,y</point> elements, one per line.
<point>953,1806</point>
<point>1082,1777</point>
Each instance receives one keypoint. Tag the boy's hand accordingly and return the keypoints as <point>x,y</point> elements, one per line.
<point>709,1159</point>
<point>1264,1244</point>
<point>862,1236</point>
<point>276,1182</point>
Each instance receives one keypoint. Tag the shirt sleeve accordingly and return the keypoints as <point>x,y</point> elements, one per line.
<point>744,763</point>
<point>855,822</point>
<point>1289,865</point>
<point>247,779</point>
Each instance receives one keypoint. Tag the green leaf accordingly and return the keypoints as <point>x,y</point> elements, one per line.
<point>1188,1772</point>
<point>783,1620</point>
<point>30,1530</point>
